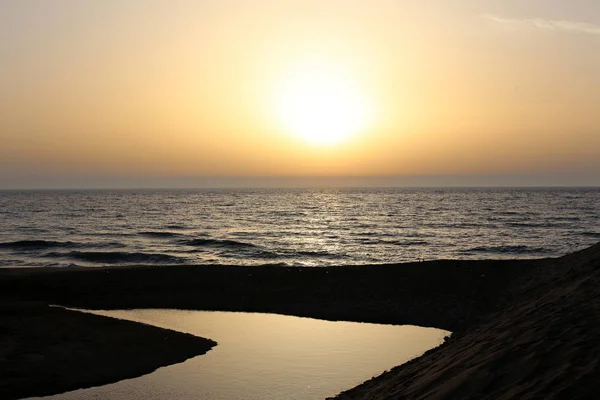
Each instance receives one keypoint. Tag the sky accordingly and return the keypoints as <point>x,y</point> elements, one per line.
<point>149,93</point>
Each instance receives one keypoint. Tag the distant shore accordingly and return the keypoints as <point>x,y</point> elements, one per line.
<point>461,296</point>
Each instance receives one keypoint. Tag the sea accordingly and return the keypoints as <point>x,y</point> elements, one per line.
<point>292,227</point>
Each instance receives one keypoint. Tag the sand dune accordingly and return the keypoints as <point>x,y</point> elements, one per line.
<point>545,345</point>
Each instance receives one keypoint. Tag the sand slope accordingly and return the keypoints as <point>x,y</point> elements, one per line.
<point>544,345</point>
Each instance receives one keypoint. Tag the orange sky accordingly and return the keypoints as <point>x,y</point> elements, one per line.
<point>188,88</point>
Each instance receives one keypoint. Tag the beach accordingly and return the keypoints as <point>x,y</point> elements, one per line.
<point>523,327</point>
<point>47,350</point>
<point>542,345</point>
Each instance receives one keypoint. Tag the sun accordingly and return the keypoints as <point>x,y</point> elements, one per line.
<point>321,104</point>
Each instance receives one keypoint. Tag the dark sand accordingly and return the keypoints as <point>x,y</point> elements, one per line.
<point>545,344</point>
<point>521,328</point>
<point>46,350</point>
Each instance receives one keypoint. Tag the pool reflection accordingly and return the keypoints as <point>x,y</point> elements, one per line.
<point>267,356</point>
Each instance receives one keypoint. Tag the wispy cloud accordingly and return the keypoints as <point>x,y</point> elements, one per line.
<point>548,24</point>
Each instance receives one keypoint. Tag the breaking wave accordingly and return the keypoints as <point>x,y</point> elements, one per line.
<point>116,257</point>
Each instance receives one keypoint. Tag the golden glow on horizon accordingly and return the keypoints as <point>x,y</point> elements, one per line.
<point>320,103</point>
<point>295,88</point>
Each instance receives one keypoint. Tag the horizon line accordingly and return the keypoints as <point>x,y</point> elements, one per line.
<point>91,182</point>
<point>49,189</point>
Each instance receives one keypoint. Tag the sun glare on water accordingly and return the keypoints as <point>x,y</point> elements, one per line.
<point>321,104</point>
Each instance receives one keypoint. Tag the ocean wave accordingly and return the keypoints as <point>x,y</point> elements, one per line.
<point>289,213</point>
<point>176,226</point>
<point>11,263</point>
<point>218,243</point>
<point>159,234</point>
<point>544,224</point>
<point>392,242</point>
<point>36,244</point>
<point>591,234</point>
<point>30,229</point>
<point>565,219</point>
<point>103,245</point>
<point>373,234</point>
<point>317,254</point>
<point>51,244</point>
<point>516,249</point>
<point>247,253</point>
<point>251,234</point>
<point>116,257</point>
<point>262,255</point>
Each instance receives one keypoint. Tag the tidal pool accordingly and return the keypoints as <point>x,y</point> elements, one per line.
<point>267,356</point>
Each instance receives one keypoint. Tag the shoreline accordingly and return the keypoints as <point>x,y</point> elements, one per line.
<point>446,294</point>
<point>465,297</point>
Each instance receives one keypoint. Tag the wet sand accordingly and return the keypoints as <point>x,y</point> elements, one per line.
<point>518,326</point>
